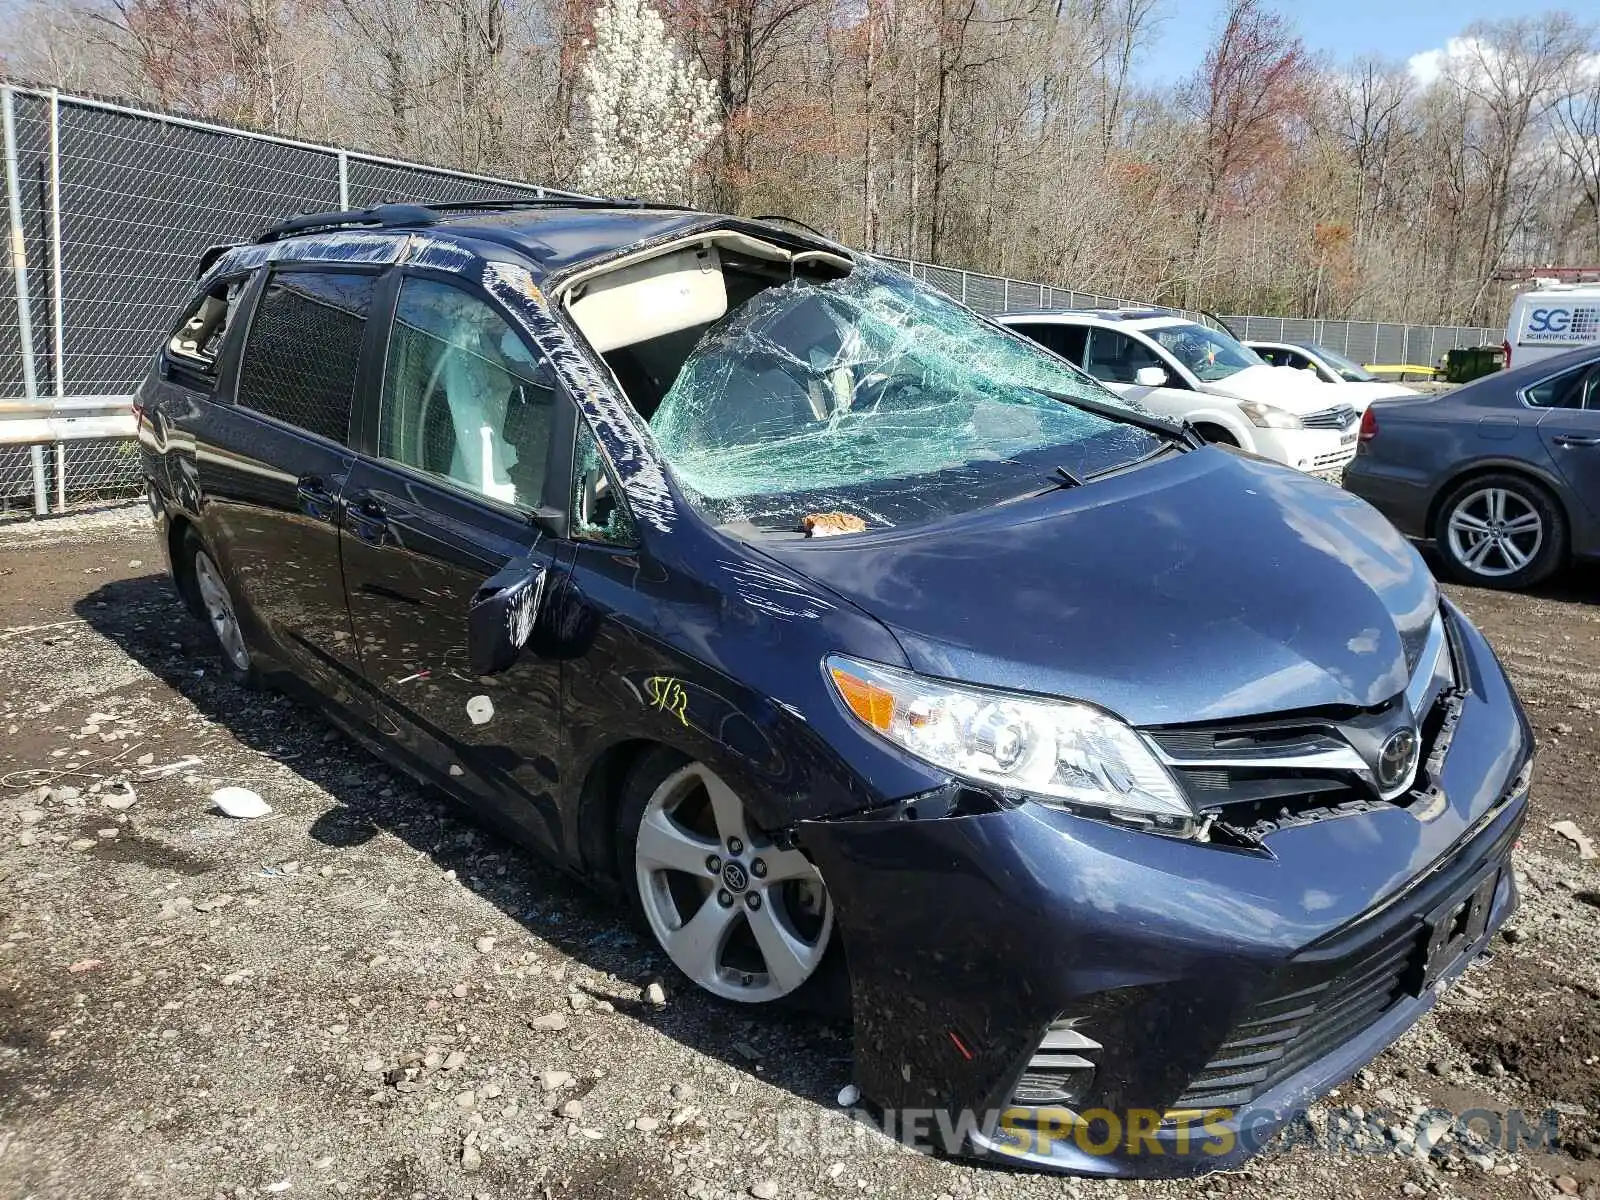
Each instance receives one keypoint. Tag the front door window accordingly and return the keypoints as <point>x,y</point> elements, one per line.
<point>464,397</point>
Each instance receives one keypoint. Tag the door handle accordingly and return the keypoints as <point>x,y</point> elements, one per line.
<point>369,519</point>
<point>1576,440</point>
<point>315,497</point>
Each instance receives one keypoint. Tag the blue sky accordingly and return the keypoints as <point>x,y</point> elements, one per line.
<point>1343,29</point>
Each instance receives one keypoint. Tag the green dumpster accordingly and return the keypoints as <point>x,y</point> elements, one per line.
<point>1467,363</point>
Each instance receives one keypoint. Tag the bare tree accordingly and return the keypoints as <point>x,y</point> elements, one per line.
<point>1245,98</point>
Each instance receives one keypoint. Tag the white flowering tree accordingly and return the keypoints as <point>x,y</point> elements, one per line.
<point>648,112</point>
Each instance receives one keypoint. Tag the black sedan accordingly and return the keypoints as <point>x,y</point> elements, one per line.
<point>1137,789</point>
<point>1502,475</point>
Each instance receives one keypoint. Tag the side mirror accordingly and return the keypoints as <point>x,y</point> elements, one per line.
<point>502,615</point>
<point>1150,377</point>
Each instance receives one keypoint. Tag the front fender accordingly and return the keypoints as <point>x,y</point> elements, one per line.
<point>722,662</point>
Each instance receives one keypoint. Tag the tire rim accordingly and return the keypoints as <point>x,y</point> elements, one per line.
<point>741,917</point>
<point>1495,532</point>
<point>219,608</point>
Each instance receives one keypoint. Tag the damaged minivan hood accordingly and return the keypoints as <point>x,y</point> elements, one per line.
<point>1205,587</point>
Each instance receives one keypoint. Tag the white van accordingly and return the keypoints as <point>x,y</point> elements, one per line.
<point>1550,320</point>
<point>1188,372</point>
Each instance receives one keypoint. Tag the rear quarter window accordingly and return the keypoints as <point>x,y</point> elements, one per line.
<point>303,348</point>
<point>194,347</point>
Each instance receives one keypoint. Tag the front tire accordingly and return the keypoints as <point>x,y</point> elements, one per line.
<point>740,917</point>
<point>1500,531</point>
<point>216,605</point>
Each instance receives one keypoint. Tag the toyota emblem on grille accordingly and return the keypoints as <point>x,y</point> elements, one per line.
<point>1398,756</point>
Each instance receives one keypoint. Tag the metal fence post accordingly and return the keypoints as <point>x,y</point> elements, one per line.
<point>57,301</point>
<point>19,270</point>
<point>41,494</point>
<point>344,181</point>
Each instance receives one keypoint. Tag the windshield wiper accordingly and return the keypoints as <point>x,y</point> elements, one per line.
<point>1064,480</point>
<point>1183,434</point>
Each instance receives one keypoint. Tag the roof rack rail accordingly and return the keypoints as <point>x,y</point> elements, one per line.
<point>385,216</point>
<point>555,200</point>
<point>397,215</point>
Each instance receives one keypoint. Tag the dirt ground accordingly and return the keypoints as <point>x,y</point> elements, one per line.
<point>364,995</point>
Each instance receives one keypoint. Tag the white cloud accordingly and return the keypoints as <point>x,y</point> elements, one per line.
<point>1464,57</point>
<point>1430,64</point>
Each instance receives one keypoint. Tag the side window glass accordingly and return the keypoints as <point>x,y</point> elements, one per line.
<point>1271,356</point>
<point>194,346</point>
<point>464,397</point>
<point>1114,357</point>
<point>1562,391</point>
<point>1065,340</point>
<point>300,358</point>
<point>597,512</point>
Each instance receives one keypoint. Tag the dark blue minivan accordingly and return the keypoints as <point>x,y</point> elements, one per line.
<point>1130,792</point>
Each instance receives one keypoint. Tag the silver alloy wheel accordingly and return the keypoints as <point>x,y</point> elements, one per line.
<point>219,608</point>
<point>742,918</point>
<point>1495,532</point>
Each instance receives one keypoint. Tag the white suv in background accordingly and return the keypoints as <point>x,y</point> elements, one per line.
<point>1189,372</point>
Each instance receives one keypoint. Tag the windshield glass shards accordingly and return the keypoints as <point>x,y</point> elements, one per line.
<point>875,397</point>
<point>1210,354</point>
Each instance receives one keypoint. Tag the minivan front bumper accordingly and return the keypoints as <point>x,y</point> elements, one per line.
<point>1221,989</point>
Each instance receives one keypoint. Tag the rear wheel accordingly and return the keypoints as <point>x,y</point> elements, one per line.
<point>1501,531</point>
<point>217,605</point>
<point>741,917</point>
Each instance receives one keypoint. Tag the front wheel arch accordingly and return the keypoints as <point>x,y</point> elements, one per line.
<point>1216,435</point>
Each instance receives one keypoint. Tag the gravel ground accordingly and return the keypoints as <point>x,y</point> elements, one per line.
<point>364,995</point>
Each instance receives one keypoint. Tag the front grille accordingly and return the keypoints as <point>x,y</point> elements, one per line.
<point>1340,416</point>
<point>1334,459</point>
<point>1338,988</point>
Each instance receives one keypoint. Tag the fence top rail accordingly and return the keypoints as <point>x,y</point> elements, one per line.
<point>78,100</point>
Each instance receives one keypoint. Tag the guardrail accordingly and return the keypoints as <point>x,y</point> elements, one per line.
<point>57,424</point>
<point>108,206</point>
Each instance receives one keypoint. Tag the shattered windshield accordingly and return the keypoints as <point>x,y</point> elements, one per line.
<point>1210,354</point>
<point>874,396</point>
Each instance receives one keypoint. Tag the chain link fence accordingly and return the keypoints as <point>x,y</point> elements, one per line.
<point>1379,343</point>
<point>108,207</point>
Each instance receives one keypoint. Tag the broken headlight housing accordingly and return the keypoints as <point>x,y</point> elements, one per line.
<point>1057,752</point>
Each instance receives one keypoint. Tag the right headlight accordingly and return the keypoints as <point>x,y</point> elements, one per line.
<point>1268,417</point>
<point>1055,751</point>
